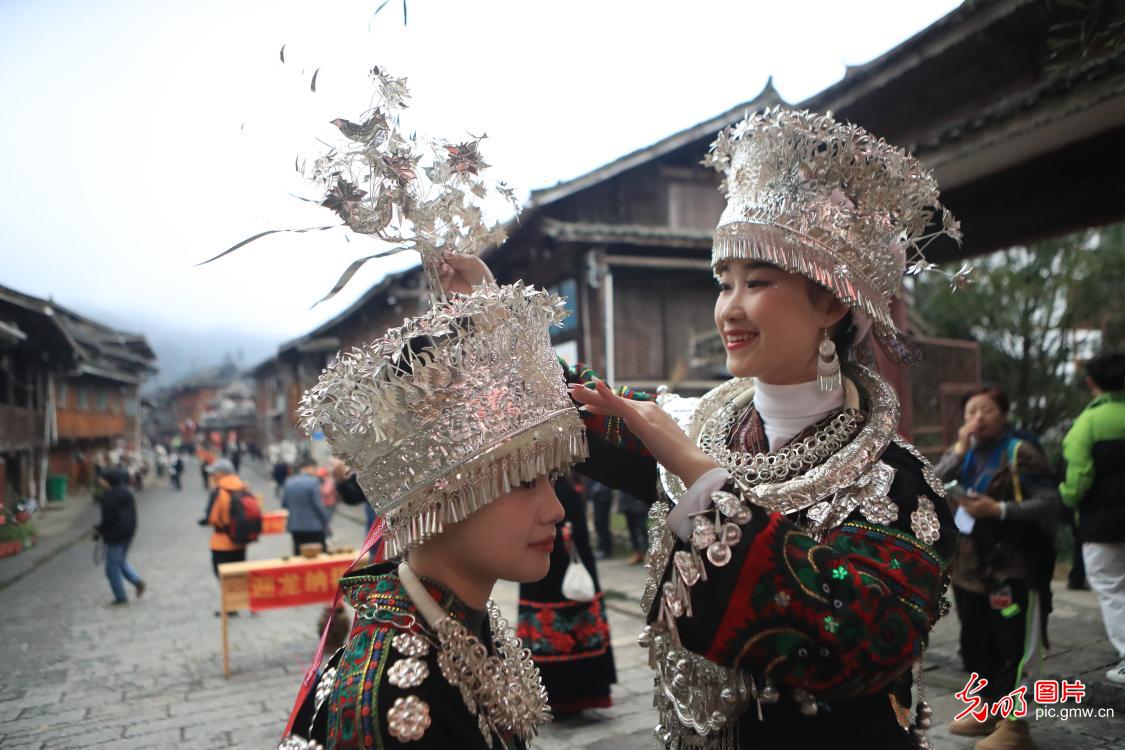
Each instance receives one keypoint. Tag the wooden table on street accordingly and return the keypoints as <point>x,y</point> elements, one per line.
<point>270,584</point>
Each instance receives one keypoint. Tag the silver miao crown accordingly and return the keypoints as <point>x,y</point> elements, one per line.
<point>829,201</point>
<point>457,406</point>
<point>451,410</point>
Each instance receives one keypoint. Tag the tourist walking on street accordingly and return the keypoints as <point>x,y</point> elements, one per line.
<point>308,518</point>
<point>1006,510</point>
<point>176,472</point>
<point>223,548</point>
<point>116,529</point>
<point>206,459</point>
<point>1094,486</point>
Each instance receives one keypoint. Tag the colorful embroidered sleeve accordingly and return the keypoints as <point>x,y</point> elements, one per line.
<point>617,458</point>
<point>610,429</point>
<point>839,618</point>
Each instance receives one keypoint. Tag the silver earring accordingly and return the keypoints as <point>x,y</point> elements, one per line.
<point>828,365</point>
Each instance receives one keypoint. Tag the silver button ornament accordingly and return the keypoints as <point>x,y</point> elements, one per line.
<point>411,644</point>
<point>924,521</point>
<point>880,510</point>
<point>408,719</point>
<point>408,673</point>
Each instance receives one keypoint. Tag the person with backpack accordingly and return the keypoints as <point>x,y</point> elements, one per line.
<point>231,513</point>
<point>1005,507</point>
<point>116,529</point>
<point>308,518</point>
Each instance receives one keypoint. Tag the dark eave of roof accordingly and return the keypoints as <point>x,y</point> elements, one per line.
<point>627,234</point>
<point>11,333</point>
<point>108,351</point>
<point>858,81</point>
<point>960,24</point>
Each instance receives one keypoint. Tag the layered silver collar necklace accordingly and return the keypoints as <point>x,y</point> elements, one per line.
<point>504,689</point>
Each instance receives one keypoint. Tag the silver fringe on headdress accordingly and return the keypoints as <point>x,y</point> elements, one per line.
<point>831,202</point>
<point>451,410</point>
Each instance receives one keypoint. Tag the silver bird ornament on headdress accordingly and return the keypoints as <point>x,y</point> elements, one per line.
<point>455,407</point>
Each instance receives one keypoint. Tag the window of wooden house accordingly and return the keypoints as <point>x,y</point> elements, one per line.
<point>83,394</point>
<point>62,395</point>
<point>101,397</point>
<point>130,402</point>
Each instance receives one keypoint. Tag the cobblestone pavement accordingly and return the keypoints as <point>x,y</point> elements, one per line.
<point>78,673</point>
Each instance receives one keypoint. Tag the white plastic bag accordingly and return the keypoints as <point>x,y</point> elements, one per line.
<point>577,584</point>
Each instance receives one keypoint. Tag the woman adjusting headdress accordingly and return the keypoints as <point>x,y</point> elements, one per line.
<point>799,546</point>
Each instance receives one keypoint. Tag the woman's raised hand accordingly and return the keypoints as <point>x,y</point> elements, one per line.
<point>652,426</point>
<point>966,433</point>
<point>460,273</point>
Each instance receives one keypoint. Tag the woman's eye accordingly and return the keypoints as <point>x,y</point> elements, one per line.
<point>752,283</point>
<point>722,286</point>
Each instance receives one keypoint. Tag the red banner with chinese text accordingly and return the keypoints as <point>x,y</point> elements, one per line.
<point>294,585</point>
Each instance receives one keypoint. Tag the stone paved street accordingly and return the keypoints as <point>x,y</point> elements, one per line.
<point>78,673</point>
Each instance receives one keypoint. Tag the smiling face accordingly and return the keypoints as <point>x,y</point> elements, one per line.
<point>770,323</point>
<point>510,538</point>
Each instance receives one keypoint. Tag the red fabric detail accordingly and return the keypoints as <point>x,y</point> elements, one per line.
<point>839,651</point>
<point>754,567</point>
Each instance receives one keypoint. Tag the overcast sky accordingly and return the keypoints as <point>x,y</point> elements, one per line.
<point>139,138</point>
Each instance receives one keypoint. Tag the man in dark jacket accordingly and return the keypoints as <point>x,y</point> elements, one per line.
<point>1094,486</point>
<point>116,529</point>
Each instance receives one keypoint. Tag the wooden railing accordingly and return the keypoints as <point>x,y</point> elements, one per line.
<point>86,424</point>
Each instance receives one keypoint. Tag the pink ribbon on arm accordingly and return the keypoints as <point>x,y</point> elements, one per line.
<point>373,544</point>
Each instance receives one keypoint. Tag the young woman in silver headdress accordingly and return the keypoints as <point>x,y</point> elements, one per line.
<point>793,586</point>
<point>455,424</point>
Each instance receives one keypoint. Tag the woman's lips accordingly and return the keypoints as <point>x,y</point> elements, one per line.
<point>738,339</point>
<point>545,545</point>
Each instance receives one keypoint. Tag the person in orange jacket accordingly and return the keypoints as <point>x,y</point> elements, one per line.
<point>224,481</point>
